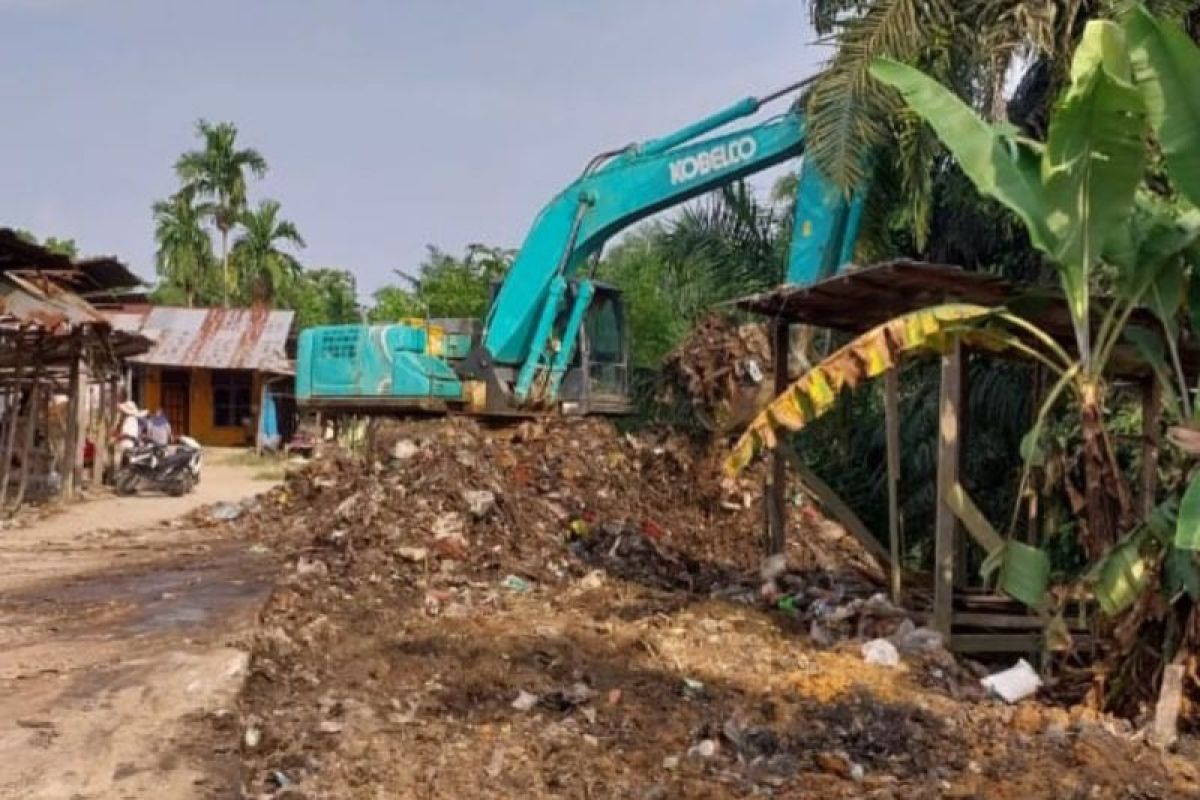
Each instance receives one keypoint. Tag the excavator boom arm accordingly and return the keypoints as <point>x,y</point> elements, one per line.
<point>638,182</point>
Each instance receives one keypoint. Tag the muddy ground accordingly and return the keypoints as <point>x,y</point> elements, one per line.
<point>563,611</point>
<point>123,646</point>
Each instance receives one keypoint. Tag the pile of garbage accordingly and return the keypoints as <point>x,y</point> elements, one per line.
<point>454,486</point>
<point>558,609</point>
<point>719,375</point>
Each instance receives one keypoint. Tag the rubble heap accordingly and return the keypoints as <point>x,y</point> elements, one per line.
<point>560,610</point>
<point>719,375</point>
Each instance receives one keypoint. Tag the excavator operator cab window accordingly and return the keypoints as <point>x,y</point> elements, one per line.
<point>606,346</point>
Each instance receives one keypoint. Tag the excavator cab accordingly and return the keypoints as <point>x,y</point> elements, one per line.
<point>598,380</point>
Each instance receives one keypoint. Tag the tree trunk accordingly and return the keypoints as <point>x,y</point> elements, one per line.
<point>225,265</point>
<point>1109,501</point>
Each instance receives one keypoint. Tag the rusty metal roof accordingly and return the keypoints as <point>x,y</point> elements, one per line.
<point>48,304</point>
<point>87,275</point>
<point>212,338</point>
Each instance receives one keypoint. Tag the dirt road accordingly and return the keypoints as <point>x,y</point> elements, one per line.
<point>118,646</point>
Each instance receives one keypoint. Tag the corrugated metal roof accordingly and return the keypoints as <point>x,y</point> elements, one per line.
<point>213,338</point>
<point>48,305</point>
<point>104,273</point>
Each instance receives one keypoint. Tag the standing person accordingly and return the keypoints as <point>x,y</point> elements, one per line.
<point>159,429</point>
<point>129,433</point>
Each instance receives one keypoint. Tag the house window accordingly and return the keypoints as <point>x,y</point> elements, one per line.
<point>231,397</point>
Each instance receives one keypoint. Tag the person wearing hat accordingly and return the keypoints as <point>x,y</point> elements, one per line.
<point>131,427</point>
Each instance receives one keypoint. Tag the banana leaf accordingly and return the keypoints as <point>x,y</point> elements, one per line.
<point>1166,64</point>
<point>1000,164</point>
<point>1095,154</point>
<point>867,356</point>
<point>1121,577</point>
<point>1180,574</point>
<point>1025,573</point>
<point>1187,528</point>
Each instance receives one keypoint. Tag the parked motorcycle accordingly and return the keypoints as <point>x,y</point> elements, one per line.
<point>175,471</point>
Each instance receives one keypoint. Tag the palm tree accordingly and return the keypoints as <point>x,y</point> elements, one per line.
<point>184,254</point>
<point>859,132</point>
<point>264,270</point>
<point>218,173</point>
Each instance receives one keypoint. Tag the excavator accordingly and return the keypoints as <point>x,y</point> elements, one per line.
<point>555,339</point>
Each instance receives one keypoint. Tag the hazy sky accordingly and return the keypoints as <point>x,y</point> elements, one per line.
<point>387,125</point>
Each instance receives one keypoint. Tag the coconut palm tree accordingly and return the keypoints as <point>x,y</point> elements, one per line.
<point>858,129</point>
<point>217,173</point>
<point>184,255</point>
<point>263,268</point>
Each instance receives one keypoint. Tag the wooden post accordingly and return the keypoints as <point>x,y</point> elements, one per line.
<point>100,433</point>
<point>961,539</point>
<point>34,412</point>
<point>1151,413</point>
<point>946,524</point>
<point>13,412</point>
<point>70,444</point>
<point>82,409</point>
<point>774,491</point>
<point>891,409</point>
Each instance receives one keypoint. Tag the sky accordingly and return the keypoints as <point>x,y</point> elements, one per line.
<point>388,124</point>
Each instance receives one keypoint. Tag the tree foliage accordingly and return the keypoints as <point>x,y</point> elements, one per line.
<point>184,257</point>
<point>444,285</point>
<point>216,173</point>
<point>261,260</point>
<point>322,296</point>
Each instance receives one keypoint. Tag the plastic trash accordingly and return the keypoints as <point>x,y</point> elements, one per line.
<point>881,652</point>
<point>525,701</point>
<point>910,639</point>
<point>1015,683</point>
<point>404,449</point>
<point>480,502</point>
<point>516,584</point>
<point>226,512</point>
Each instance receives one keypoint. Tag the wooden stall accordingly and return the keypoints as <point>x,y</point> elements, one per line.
<point>972,618</point>
<point>61,364</point>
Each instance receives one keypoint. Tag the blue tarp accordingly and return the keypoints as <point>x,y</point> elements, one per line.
<point>268,422</point>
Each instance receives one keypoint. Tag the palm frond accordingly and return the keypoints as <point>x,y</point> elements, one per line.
<point>847,111</point>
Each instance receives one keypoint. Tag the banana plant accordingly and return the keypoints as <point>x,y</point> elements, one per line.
<point>1081,196</point>
<point>1076,193</point>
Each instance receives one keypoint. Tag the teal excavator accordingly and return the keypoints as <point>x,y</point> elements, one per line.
<point>555,339</point>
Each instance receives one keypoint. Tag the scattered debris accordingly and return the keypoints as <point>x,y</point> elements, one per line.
<point>225,512</point>
<point>404,449</point>
<point>641,660</point>
<point>480,502</point>
<point>719,373</point>
<point>1165,729</point>
<point>525,701</point>
<point>414,554</point>
<point>252,737</point>
<point>515,583</point>
<point>1015,683</point>
<point>910,639</point>
<point>881,652</point>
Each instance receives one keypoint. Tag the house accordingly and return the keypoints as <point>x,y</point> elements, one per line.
<point>209,369</point>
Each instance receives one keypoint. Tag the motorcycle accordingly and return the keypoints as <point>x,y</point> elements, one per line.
<point>175,471</point>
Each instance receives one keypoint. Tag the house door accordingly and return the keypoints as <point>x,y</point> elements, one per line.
<point>176,392</point>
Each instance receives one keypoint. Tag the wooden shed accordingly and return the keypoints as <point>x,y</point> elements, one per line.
<point>972,618</point>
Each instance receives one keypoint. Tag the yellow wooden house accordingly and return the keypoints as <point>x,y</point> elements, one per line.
<point>209,368</point>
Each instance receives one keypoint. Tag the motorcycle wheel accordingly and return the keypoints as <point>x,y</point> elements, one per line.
<point>181,485</point>
<point>125,482</point>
